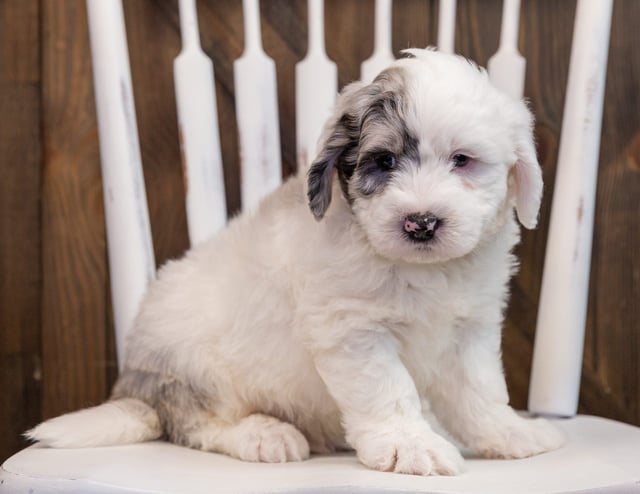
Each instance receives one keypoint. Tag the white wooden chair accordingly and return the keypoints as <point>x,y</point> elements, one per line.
<point>600,456</point>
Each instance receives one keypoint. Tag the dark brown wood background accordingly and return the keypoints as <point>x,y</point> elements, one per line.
<point>56,340</point>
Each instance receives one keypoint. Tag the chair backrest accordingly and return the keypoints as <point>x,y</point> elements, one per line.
<point>562,313</point>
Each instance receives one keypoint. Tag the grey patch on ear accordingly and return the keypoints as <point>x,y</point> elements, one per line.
<point>384,131</point>
<point>320,179</point>
<point>341,148</point>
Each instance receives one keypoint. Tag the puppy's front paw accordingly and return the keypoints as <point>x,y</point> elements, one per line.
<point>521,438</point>
<point>411,448</point>
<point>266,439</point>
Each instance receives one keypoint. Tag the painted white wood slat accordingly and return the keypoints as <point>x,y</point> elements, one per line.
<point>382,55</point>
<point>507,66</point>
<point>446,25</point>
<point>257,112</point>
<point>316,88</point>
<point>199,133</point>
<point>131,258</point>
<point>557,357</point>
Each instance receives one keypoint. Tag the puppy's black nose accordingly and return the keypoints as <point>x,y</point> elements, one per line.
<point>421,226</point>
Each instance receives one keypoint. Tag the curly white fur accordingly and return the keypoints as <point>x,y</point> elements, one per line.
<point>285,335</point>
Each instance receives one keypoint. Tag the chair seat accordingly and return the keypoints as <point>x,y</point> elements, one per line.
<point>601,456</point>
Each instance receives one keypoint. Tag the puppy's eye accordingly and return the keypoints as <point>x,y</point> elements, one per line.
<point>460,160</point>
<point>385,161</point>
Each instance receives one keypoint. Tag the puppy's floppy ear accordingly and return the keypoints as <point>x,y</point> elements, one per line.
<point>339,144</point>
<point>527,177</point>
<point>320,180</point>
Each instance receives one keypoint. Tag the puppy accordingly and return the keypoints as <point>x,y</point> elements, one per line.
<point>329,318</point>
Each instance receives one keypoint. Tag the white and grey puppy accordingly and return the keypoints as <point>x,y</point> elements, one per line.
<point>310,329</point>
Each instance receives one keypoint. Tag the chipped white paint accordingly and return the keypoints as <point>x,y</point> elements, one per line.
<point>446,25</point>
<point>199,134</point>
<point>131,259</point>
<point>382,55</point>
<point>316,88</point>
<point>507,66</point>
<point>557,359</point>
<point>257,112</point>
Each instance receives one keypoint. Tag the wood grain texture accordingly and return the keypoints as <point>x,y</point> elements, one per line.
<point>614,331</point>
<point>546,79</point>
<point>20,175</point>
<point>75,280</point>
<point>152,78</point>
<point>54,281</point>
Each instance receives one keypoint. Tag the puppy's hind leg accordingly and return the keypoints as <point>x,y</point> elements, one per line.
<point>256,437</point>
<point>188,415</point>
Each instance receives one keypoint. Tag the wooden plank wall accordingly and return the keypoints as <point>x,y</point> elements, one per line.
<point>56,341</point>
<point>21,160</point>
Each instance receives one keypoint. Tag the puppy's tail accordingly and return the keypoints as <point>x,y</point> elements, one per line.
<point>122,421</point>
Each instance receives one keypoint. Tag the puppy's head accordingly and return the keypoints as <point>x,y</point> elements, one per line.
<point>430,157</point>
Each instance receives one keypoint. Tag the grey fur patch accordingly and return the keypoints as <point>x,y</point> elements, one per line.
<point>339,150</point>
<point>181,407</point>
<point>369,119</point>
<point>320,178</point>
<point>384,131</point>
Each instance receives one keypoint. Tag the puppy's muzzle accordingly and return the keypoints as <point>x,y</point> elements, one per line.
<point>421,227</point>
